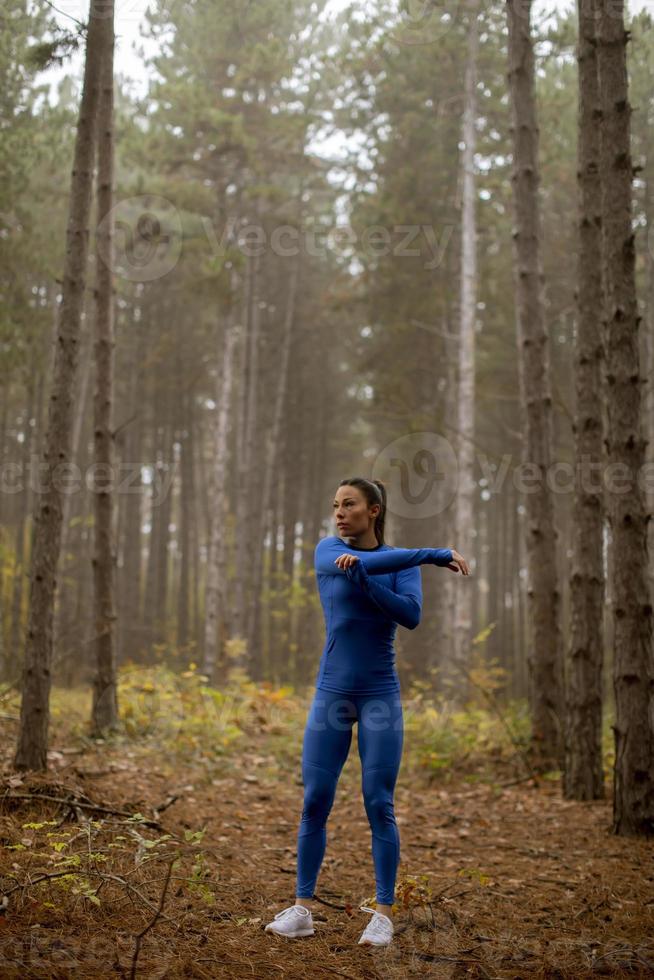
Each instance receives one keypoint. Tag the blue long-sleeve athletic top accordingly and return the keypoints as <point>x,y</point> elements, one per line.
<point>362,606</point>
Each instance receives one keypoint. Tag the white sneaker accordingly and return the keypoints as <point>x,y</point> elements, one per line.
<point>294,921</point>
<point>379,931</point>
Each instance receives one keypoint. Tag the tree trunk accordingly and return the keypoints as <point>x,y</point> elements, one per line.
<point>5,656</point>
<point>185,505</point>
<point>647,416</point>
<point>23,511</point>
<point>104,716</point>
<point>633,663</point>
<point>217,557</point>
<point>162,538</point>
<point>129,577</point>
<point>465,497</point>
<point>546,665</point>
<point>444,607</point>
<point>309,626</point>
<point>583,778</point>
<point>525,635</point>
<point>248,531</point>
<point>245,379</point>
<point>273,441</point>
<point>155,608</point>
<point>31,751</point>
<point>73,507</point>
<point>196,535</point>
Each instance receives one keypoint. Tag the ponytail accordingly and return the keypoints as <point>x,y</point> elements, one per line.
<point>381,516</point>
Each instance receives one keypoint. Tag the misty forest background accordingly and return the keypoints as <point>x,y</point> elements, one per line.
<point>246,383</point>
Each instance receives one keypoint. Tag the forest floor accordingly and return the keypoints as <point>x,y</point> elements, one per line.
<point>154,859</point>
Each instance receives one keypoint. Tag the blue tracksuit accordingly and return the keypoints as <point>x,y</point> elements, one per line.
<point>357,681</point>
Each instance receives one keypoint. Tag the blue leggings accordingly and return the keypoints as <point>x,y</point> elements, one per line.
<point>327,739</point>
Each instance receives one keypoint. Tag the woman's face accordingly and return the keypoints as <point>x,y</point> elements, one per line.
<point>352,512</point>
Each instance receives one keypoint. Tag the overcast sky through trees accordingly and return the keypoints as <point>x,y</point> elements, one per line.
<point>129,15</point>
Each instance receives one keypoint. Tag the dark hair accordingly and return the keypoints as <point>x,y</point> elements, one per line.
<point>375,493</point>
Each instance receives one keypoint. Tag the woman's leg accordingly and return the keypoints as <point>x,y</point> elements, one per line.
<point>327,739</point>
<point>380,737</point>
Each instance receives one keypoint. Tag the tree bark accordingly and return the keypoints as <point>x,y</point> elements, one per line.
<point>465,497</point>
<point>217,557</point>
<point>273,442</point>
<point>647,416</point>
<point>583,777</point>
<point>185,506</point>
<point>131,502</point>
<point>31,751</point>
<point>157,591</point>
<point>23,511</point>
<point>248,531</point>
<point>238,624</point>
<point>633,662</point>
<point>73,507</point>
<point>546,664</point>
<point>104,712</point>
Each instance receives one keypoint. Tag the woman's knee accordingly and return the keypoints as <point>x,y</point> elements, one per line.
<point>379,806</point>
<point>319,792</point>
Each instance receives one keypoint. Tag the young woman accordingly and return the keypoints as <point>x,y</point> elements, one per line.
<point>366,588</point>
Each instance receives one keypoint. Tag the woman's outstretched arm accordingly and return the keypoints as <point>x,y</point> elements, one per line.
<point>376,562</point>
<point>403,605</point>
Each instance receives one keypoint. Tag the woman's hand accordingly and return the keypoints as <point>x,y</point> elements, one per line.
<point>458,563</point>
<point>344,561</point>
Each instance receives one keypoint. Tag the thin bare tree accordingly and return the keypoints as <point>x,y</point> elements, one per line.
<point>545,658</point>
<point>105,698</point>
<point>217,552</point>
<point>31,750</point>
<point>583,777</point>
<point>274,437</point>
<point>633,657</point>
<point>465,497</point>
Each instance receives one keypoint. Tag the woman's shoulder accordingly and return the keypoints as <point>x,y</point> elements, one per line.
<point>327,542</point>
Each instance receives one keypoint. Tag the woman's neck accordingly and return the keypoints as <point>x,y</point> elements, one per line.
<point>366,541</point>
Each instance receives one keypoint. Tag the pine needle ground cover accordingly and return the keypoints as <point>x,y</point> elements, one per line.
<point>163,850</point>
